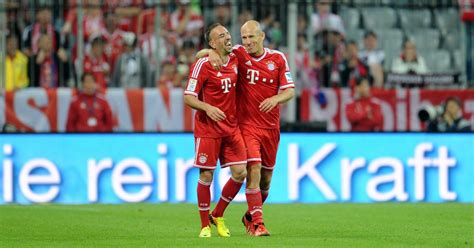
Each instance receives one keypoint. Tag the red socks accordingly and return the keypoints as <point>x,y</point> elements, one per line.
<point>231,188</point>
<point>204,201</point>
<point>254,202</point>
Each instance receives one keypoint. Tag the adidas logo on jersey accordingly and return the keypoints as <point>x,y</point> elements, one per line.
<point>219,74</point>
<point>248,63</point>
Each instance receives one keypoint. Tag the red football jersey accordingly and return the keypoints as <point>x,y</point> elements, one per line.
<point>100,69</point>
<point>89,114</point>
<point>217,88</point>
<point>259,79</point>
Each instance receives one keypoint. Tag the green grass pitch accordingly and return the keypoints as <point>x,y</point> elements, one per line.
<point>291,225</point>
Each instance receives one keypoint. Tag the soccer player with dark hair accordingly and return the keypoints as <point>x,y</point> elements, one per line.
<point>217,136</point>
<point>264,83</point>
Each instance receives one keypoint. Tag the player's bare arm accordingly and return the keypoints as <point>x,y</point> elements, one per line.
<point>214,58</point>
<point>284,96</point>
<point>213,112</point>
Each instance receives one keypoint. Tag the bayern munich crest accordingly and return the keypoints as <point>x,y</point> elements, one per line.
<point>271,66</point>
<point>202,158</point>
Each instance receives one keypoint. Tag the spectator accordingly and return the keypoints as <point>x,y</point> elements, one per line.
<point>302,25</point>
<point>92,23</point>
<point>127,11</point>
<point>329,56</point>
<point>146,20</point>
<point>409,61</point>
<point>113,36</point>
<point>305,76</point>
<point>96,63</point>
<point>169,77</point>
<point>131,69</point>
<point>374,57</point>
<point>42,26</point>
<point>451,120</point>
<point>323,19</point>
<point>149,45</point>
<point>186,22</point>
<point>89,111</point>
<point>48,69</point>
<point>272,29</point>
<point>14,22</point>
<point>364,112</point>
<point>221,13</point>
<point>16,66</point>
<point>186,57</point>
<point>244,16</point>
<point>352,67</point>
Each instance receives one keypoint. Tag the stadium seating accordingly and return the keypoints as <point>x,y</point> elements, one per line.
<point>379,17</point>
<point>413,19</point>
<point>447,20</point>
<point>356,35</point>
<point>438,61</point>
<point>351,18</point>
<point>458,61</point>
<point>426,39</point>
<point>390,38</point>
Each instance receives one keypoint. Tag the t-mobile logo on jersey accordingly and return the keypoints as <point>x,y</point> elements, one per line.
<point>253,75</point>
<point>226,85</point>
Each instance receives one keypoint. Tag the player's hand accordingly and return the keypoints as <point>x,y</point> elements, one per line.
<point>268,104</point>
<point>62,54</point>
<point>215,59</point>
<point>215,113</point>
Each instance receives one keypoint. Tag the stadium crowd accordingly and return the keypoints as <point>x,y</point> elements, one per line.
<point>337,44</point>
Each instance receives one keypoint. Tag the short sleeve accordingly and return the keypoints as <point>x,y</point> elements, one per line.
<point>286,81</point>
<point>197,77</point>
<point>239,52</point>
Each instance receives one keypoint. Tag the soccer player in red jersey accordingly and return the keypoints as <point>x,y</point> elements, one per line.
<point>264,83</point>
<point>217,135</point>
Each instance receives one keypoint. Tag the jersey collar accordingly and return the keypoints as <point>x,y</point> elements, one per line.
<point>262,56</point>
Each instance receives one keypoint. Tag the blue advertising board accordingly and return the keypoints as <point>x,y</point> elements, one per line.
<point>311,168</point>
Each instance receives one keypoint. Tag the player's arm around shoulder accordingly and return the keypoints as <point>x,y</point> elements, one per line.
<point>214,58</point>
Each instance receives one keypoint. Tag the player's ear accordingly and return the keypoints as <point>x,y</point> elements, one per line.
<point>211,44</point>
<point>262,34</point>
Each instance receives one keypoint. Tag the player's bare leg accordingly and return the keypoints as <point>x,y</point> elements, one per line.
<point>204,200</point>
<point>231,188</point>
<point>254,200</point>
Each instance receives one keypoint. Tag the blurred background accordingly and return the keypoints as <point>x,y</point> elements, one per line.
<point>408,62</point>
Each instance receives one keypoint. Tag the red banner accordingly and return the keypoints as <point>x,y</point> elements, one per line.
<point>400,107</point>
<point>151,110</point>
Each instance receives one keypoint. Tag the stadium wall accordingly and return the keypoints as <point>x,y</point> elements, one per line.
<point>311,168</point>
<point>151,110</point>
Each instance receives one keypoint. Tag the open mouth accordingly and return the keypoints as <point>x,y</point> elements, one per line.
<point>228,44</point>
